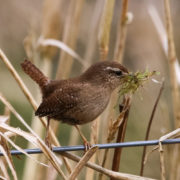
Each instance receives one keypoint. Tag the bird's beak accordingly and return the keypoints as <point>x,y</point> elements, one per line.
<point>125,74</point>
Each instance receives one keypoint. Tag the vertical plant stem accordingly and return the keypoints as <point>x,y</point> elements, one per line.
<point>174,83</point>
<point>149,127</point>
<point>172,59</point>
<point>120,138</point>
<point>114,127</point>
<point>162,166</point>
<point>82,162</point>
<point>121,36</point>
<point>70,34</point>
<point>105,28</point>
<point>118,55</point>
<point>93,31</point>
<point>93,140</point>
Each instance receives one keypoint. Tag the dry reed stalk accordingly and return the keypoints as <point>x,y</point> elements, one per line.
<point>164,40</point>
<point>70,34</point>
<point>94,134</point>
<point>18,79</point>
<point>118,55</point>
<point>49,154</point>
<point>107,172</point>
<point>120,138</point>
<point>82,162</point>
<point>3,164</point>
<point>172,59</point>
<point>51,26</point>
<point>113,128</point>
<point>3,170</point>
<point>4,148</point>
<point>8,160</point>
<point>105,27</point>
<point>149,127</point>
<point>162,166</point>
<point>174,81</point>
<point>169,135</point>
<point>93,31</point>
<point>121,36</point>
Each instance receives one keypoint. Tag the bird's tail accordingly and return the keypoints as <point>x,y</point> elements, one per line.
<point>35,74</point>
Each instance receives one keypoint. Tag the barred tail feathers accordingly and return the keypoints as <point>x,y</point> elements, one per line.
<point>35,74</point>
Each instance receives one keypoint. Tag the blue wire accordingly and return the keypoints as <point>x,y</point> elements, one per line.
<point>101,146</point>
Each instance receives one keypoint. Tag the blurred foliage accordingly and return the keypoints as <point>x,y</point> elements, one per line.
<point>143,50</point>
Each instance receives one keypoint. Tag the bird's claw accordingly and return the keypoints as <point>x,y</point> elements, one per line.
<point>87,145</point>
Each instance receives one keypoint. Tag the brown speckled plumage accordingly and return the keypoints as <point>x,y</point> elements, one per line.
<point>78,100</point>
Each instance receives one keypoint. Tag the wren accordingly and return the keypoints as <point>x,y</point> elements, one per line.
<point>77,100</point>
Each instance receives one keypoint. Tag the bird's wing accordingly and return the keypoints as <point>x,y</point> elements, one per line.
<point>59,102</point>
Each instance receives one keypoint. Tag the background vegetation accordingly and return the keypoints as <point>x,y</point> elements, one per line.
<point>94,30</point>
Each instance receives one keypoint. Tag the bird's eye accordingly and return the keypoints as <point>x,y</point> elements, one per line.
<point>118,73</point>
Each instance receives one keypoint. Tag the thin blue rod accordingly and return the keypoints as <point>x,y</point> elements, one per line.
<point>101,146</point>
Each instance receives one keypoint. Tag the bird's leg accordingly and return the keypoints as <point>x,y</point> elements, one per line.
<point>47,137</point>
<point>87,145</point>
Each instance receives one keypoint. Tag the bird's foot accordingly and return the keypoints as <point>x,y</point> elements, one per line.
<point>87,145</point>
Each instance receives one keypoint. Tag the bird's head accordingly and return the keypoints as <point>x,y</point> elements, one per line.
<point>108,74</point>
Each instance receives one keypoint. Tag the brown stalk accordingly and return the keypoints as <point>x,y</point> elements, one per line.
<point>6,151</point>
<point>93,140</point>
<point>107,172</point>
<point>82,162</point>
<point>149,127</point>
<point>118,54</point>
<point>9,162</point>
<point>120,138</point>
<point>49,154</point>
<point>105,28</point>
<point>113,128</point>
<point>70,34</point>
<point>93,31</point>
<point>121,36</point>
<point>162,166</point>
<point>172,59</point>
<point>174,83</point>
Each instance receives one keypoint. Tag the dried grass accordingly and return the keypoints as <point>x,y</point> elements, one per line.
<point>43,49</point>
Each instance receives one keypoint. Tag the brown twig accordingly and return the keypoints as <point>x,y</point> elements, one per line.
<point>82,162</point>
<point>120,138</point>
<point>172,59</point>
<point>105,28</point>
<point>107,172</point>
<point>113,128</point>
<point>162,167</point>
<point>174,83</point>
<point>121,36</point>
<point>149,127</point>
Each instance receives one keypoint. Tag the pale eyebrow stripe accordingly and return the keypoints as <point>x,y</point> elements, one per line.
<point>113,69</point>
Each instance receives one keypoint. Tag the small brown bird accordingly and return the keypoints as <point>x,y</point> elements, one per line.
<point>77,100</point>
